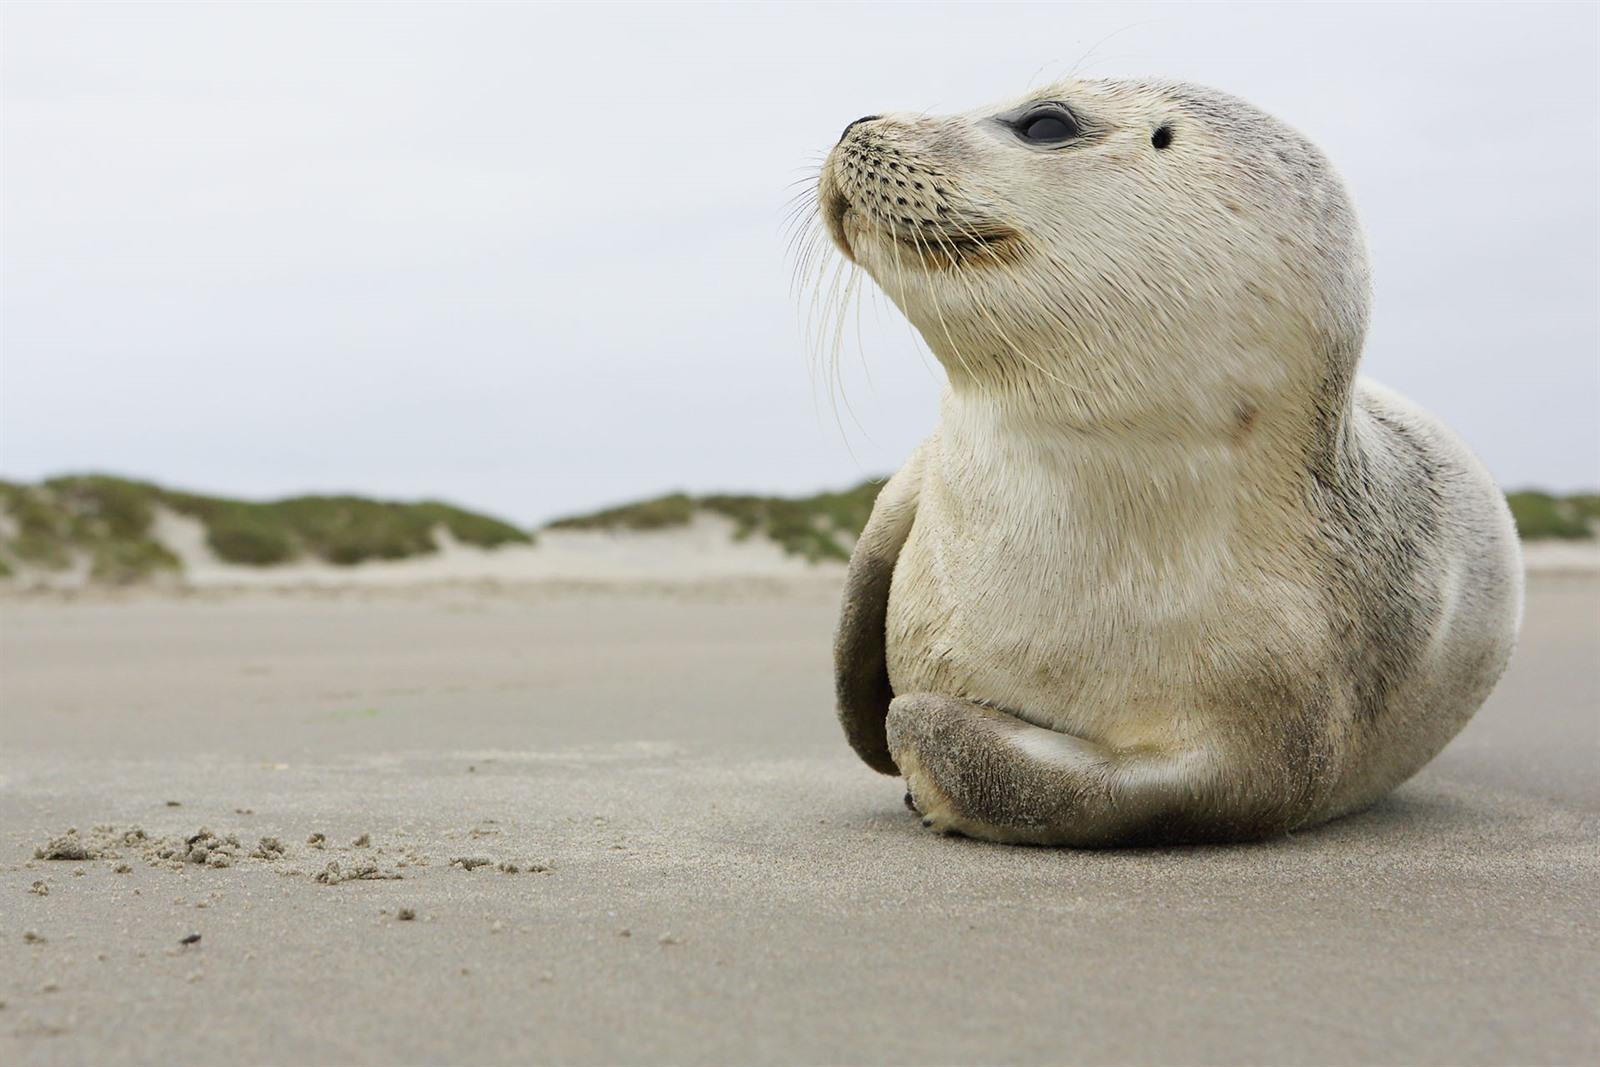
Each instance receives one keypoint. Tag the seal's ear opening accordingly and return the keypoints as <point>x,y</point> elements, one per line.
<point>1162,137</point>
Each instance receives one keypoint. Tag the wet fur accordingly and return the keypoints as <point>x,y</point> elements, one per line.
<point>1166,571</point>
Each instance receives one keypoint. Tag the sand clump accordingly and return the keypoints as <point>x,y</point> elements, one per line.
<point>66,847</point>
<point>335,873</point>
<point>203,846</point>
<point>102,842</point>
<point>360,861</point>
<point>207,848</point>
<point>507,867</point>
<point>268,848</point>
<point>472,863</point>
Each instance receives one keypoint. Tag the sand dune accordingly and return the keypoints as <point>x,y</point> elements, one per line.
<point>704,550</point>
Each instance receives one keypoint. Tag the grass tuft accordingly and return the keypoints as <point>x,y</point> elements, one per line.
<point>815,528</point>
<point>1542,515</point>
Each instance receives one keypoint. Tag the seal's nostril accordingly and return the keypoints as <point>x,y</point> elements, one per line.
<point>857,122</point>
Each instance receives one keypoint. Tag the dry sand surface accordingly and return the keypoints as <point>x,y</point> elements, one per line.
<point>703,872</point>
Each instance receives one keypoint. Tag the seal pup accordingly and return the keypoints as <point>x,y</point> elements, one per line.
<point>1166,570</point>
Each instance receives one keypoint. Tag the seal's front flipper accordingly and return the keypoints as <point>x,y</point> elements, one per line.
<point>860,669</point>
<point>984,773</point>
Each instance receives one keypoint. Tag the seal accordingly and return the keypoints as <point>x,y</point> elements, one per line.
<point>1166,570</point>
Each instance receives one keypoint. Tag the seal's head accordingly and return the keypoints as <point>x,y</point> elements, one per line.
<point>1121,253</point>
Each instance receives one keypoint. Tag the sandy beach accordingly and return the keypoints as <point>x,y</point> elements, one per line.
<point>686,864</point>
<point>433,442</point>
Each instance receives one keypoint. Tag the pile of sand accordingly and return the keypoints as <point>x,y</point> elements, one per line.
<point>361,860</point>
<point>208,848</point>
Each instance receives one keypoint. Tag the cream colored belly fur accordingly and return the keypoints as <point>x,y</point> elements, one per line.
<point>1126,606</point>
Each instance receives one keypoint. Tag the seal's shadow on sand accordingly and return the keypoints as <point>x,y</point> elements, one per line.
<point>1417,819</point>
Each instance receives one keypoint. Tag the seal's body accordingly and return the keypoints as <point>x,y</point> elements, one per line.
<point>1166,570</point>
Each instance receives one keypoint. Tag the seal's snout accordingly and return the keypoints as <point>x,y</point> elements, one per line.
<point>835,204</point>
<point>857,122</point>
<point>891,184</point>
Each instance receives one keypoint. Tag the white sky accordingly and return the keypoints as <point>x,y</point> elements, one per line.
<point>530,258</point>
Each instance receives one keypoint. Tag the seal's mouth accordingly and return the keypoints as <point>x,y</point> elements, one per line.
<point>834,208</point>
<point>946,248</point>
<point>936,248</point>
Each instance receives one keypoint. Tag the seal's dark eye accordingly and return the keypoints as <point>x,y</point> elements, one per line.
<point>1050,126</point>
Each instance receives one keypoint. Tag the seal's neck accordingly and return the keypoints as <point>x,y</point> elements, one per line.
<point>1220,379</point>
<point>1160,475</point>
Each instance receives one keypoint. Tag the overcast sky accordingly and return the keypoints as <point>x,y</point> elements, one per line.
<point>530,258</point>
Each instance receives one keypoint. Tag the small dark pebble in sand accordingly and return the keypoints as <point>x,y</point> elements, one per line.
<point>192,939</point>
<point>174,803</point>
<point>405,915</point>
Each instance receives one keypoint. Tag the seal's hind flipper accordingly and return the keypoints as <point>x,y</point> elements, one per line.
<point>984,773</point>
<point>860,670</point>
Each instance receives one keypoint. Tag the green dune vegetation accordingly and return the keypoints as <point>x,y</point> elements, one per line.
<point>109,521</point>
<point>818,527</point>
<point>1543,515</point>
